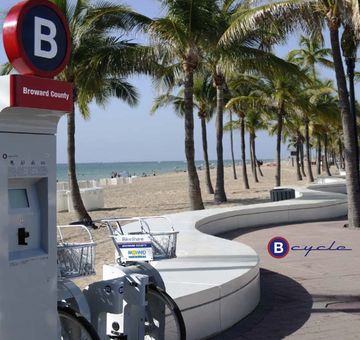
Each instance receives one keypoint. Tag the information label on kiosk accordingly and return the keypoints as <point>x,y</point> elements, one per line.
<point>135,247</point>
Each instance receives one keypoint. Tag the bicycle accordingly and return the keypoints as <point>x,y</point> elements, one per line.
<point>135,303</point>
<point>74,260</point>
<point>73,326</point>
<point>163,318</point>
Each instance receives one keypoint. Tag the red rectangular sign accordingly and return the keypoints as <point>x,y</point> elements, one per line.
<point>41,93</point>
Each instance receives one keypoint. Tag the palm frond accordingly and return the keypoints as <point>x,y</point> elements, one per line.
<point>280,17</point>
<point>117,88</point>
<point>176,102</point>
<point>6,69</point>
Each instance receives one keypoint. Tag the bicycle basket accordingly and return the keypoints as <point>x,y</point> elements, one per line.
<point>163,244</point>
<point>75,259</point>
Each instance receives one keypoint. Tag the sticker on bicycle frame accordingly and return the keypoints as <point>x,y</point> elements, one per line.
<point>135,247</point>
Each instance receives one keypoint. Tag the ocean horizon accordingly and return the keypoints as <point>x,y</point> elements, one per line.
<point>89,171</point>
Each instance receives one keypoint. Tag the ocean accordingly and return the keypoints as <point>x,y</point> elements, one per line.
<point>88,171</point>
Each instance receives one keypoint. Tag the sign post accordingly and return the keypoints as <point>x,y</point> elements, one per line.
<point>37,42</point>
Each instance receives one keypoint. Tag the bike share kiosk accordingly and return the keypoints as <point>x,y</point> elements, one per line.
<point>37,43</point>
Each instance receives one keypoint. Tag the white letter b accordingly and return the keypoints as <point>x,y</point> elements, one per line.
<point>278,247</point>
<point>49,38</point>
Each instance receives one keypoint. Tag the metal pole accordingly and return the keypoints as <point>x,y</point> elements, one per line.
<point>350,63</point>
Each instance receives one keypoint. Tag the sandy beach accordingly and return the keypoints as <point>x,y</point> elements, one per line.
<point>167,193</point>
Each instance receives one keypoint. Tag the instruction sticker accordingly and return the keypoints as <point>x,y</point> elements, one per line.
<point>135,247</point>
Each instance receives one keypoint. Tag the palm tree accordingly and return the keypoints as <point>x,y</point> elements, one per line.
<point>204,99</point>
<point>311,53</point>
<point>240,101</point>
<point>281,92</point>
<point>288,15</point>
<point>232,144</point>
<point>251,121</point>
<point>318,152</point>
<point>240,124</point>
<point>302,164</point>
<point>275,96</point>
<point>98,67</point>
<point>326,122</point>
<point>254,121</point>
<point>248,106</point>
<point>250,53</point>
<point>252,157</point>
<point>178,36</point>
<point>321,97</point>
<point>204,95</point>
<point>293,133</point>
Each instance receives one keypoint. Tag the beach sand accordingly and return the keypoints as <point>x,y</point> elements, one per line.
<point>167,194</point>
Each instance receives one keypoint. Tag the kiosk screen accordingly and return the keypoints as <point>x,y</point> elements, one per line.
<point>18,199</point>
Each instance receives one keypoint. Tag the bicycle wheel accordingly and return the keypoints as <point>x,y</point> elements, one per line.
<point>74,326</point>
<point>163,319</point>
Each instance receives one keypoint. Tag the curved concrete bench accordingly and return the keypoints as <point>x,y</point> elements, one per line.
<point>93,198</point>
<point>337,187</point>
<point>114,181</point>
<point>61,200</point>
<point>62,185</point>
<point>216,281</point>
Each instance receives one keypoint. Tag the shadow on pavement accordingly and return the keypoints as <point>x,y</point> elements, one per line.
<point>284,307</point>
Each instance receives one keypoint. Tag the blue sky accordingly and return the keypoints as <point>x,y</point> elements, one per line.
<point>118,133</point>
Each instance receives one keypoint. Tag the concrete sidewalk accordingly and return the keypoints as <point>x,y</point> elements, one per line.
<point>304,297</point>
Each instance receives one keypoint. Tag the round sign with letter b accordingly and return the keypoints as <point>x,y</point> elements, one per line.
<point>37,38</point>
<point>278,247</point>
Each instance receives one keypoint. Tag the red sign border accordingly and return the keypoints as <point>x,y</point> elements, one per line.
<point>13,42</point>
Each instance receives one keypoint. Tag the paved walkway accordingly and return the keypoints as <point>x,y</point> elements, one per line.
<point>312,297</point>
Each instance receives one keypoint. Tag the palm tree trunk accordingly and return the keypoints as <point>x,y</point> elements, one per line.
<point>326,156</point>
<point>333,155</point>
<point>232,146</point>
<point>79,208</point>
<point>243,154</point>
<point>252,140</point>
<point>251,155</point>
<point>257,164</point>
<point>196,202</point>
<point>350,72</point>
<point>298,172</point>
<point>318,161</point>
<point>220,195</point>
<point>278,148</point>
<point>350,144</point>
<point>302,158</point>
<point>341,155</point>
<point>259,167</point>
<point>308,156</point>
<point>206,157</point>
